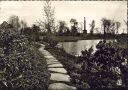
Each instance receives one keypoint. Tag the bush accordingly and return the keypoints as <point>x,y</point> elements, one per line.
<point>106,67</point>
<point>21,64</point>
<point>50,42</point>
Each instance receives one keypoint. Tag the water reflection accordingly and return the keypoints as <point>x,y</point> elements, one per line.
<point>75,48</point>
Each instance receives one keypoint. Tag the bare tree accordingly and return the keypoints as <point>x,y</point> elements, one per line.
<point>92,25</point>
<point>49,16</point>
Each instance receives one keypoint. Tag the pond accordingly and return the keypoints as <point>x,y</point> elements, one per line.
<point>75,48</point>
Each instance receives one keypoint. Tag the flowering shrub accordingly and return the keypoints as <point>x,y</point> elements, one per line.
<point>21,64</point>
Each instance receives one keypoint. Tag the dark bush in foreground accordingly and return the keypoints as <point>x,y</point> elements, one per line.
<point>21,64</point>
<point>106,68</point>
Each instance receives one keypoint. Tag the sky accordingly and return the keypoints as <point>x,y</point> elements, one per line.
<point>30,11</point>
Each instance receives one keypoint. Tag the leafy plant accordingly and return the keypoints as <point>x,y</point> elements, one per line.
<point>21,64</point>
<point>106,68</point>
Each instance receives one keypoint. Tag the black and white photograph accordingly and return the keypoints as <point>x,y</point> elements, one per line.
<point>63,45</point>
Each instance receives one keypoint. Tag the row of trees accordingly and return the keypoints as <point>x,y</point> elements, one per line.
<point>109,26</point>
<point>48,25</point>
<point>21,27</point>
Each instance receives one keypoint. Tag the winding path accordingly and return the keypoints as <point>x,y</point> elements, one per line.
<point>59,79</point>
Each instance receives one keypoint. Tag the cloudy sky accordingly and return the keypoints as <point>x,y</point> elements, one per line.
<point>30,11</point>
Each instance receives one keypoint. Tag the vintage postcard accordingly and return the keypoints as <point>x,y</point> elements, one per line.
<point>63,44</point>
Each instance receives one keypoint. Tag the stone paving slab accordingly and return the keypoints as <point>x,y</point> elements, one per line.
<point>55,65</point>
<point>52,59</point>
<point>52,62</point>
<point>61,70</point>
<point>59,77</point>
<point>49,57</point>
<point>58,73</point>
<point>61,86</point>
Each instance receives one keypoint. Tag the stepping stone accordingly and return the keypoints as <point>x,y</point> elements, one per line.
<point>46,54</point>
<point>55,65</point>
<point>53,62</point>
<point>61,86</point>
<point>42,45</point>
<point>61,70</point>
<point>60,77</point>
<point>49,56</point>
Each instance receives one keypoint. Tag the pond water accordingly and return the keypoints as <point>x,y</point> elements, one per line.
<point>75,48</point>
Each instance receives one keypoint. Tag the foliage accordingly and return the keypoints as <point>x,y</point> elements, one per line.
<point>62,27</point>
<point>110,26</point>
<point>14,21</point>
<point>21,64</point>
<point>105,67</point>
<point>23,24</point>
<point>74,26</point>
<point>50,42</point>
<point>32,32</point>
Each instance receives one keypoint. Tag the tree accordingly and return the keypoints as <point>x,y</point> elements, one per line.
<point>14,21</point>
<point>118,24</point>
<point>92,25</point>
<point>35,32</point>
<point>23,24</point>
<point>106,24</point>
<point>42,25</point>
<point>73,21</point>
<point>62,27</point>
<point>49,17</point>
<point>74,26</point>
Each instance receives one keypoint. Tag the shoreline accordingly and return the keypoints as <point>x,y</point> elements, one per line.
<point>87,37</point>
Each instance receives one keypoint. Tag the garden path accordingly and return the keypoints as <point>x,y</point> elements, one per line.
<point>59,79</point>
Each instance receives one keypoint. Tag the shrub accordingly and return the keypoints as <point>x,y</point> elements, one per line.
<point>106,67</point>
<point>50,42</point>
<point>21,64</point>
